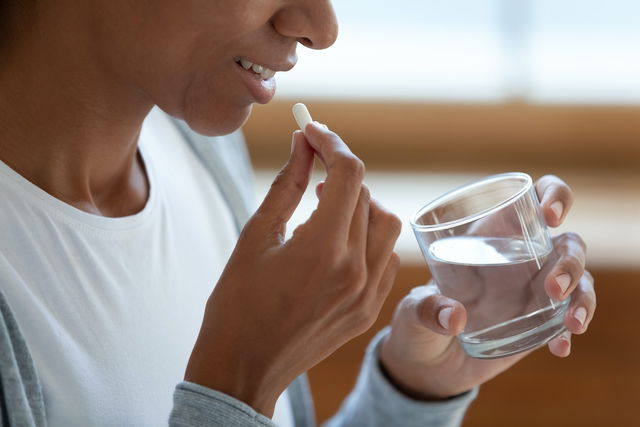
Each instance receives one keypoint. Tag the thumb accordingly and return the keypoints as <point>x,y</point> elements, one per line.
<point>440,314</point>
<point>288,187</point>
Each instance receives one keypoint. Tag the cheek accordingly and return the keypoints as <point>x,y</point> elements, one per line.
<point>194,77</point>
<point>207,93</point>
<point>214,107</point>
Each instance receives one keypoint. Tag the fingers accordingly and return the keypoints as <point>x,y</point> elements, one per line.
<point>341,189</point>
<point>561,345</point>
<point>360,223</point>
<point>381,236</point>
<point>371,300</point>
<point>569,268</point>
<point>578,316</point>
<point>582,307</point>
<point>386,281</point>
<point>287,189</point>
<point>375,227</point>
<point>442,315</point>
<point>556,199</point>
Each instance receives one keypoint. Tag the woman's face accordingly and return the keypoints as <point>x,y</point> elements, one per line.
<point>190,56</point>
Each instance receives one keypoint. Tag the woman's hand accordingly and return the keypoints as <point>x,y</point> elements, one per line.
<point>280,307</point>
<point>422,355</point>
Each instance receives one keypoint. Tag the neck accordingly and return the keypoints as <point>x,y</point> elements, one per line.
<point>69,124</point>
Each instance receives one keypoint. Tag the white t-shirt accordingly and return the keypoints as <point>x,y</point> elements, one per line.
<point>110,307</point>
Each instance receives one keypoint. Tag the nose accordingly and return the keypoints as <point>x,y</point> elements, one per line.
<point>312,23</point>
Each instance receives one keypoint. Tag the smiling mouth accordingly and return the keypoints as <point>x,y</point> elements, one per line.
<point>259,70</point>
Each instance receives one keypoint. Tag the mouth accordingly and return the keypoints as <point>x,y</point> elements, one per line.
<point>259,70</point>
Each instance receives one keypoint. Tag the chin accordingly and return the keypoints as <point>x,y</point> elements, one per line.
<point>217,123</point>
<point>209,119</point>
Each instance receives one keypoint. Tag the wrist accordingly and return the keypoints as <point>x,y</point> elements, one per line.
<point>234,376</point>
<point>410,378</point>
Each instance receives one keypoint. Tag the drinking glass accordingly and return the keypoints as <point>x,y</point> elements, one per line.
<point>487,245</point>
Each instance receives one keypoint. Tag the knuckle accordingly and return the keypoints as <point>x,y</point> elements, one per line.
<point>330,257</point>
<point>569,235</point>
<point>390,223</point>
<point>551,181</point>
<point>575,237</point>
<point>554,179</point>
<point>285,182</point>
<point>570,238</point>
<point>560,240</point>
<point>363,318</point>
<point>353,276</point>
<point>352,166</point>
<point>543,183</point>
<point>395,224</point>
<point>572,262</point>
<point>552,187</point>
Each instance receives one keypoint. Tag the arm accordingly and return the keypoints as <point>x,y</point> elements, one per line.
<point>373,402</point>
<point>329,279</point>
<point>376,402</point>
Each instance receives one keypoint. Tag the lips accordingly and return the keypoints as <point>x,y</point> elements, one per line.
<point>259,79</point>
<point>261,70</point>
<point>262,91</point>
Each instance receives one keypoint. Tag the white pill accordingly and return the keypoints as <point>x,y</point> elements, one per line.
<point>302,116</point>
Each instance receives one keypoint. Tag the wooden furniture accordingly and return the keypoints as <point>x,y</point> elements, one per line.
<point>597,386</point>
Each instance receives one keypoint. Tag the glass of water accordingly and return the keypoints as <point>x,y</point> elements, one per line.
<point>487,246</point>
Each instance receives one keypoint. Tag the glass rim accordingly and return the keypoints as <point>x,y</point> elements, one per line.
<point>528,183</point>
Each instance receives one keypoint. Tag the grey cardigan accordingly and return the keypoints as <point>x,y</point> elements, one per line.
<point>373,402</point>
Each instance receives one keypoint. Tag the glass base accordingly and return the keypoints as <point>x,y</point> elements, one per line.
<point>516,335</point>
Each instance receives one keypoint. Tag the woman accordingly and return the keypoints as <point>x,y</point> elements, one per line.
<point>113,237</point>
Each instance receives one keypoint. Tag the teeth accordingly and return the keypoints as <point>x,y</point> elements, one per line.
<point>268,74</point>
<point>264,72</point>
<point>245,64</point>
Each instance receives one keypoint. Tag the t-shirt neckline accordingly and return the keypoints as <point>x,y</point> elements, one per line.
<point>59,208</point>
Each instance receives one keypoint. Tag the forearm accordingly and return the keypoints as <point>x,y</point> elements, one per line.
<point>376,402</point>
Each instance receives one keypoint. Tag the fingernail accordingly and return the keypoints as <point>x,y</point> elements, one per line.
<point>557,208</point>
<point>444,316</point>
<point>322,125</point>
<point>563,280</point>
<point>581,315</point>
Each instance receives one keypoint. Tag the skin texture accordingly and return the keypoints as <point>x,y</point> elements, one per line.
<point>78,78</point>
<point>89,72</point>
<point>307,296</point>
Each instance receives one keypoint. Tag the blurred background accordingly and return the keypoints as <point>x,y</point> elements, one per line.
<point>433,94</point>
